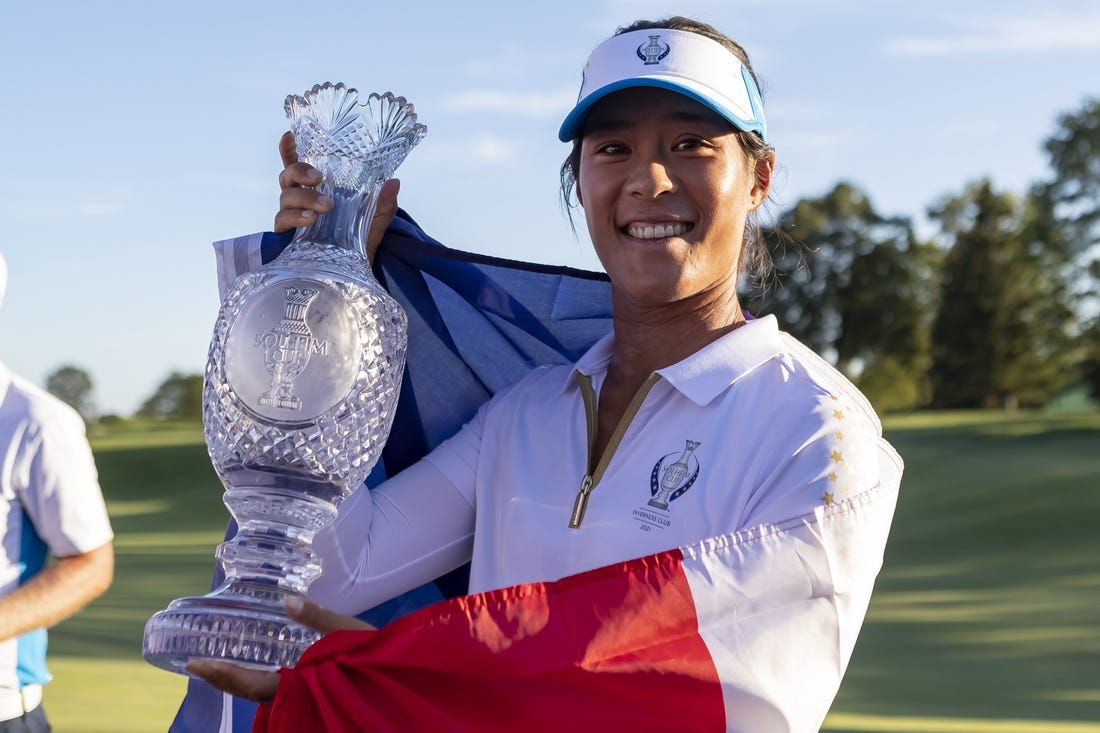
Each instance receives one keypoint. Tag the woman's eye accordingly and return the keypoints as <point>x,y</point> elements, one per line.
<point>612,148</point>
<point>689,144</point>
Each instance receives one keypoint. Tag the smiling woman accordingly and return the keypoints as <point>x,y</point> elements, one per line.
<point>690,516</point>
<point>729,90</point>
<point>671,189</point>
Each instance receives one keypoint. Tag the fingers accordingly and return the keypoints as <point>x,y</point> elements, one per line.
<point>288,150</point>
<point>299,203</point>
<point>251,684</point>
<point>320,618</point>
<point>299,174</point>
<point>299,207</point>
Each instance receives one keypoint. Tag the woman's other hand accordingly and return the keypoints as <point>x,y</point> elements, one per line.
<point>260,686</point>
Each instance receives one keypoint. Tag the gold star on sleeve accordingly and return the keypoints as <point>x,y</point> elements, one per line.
<point>836,456</point>
<point>838,414</point>
<point>839,435</point>
<point>827,497</point>
<point>833,477</point>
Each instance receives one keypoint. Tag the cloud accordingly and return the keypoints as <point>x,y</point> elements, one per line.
<point>539,104</point>
<point>1039,32</point>
<point>489,150</point>
<point>480,150</point>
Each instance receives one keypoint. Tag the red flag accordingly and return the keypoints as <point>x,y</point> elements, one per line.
<point>749,631</point>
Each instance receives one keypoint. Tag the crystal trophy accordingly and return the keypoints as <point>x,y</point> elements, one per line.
<point>301,384</point>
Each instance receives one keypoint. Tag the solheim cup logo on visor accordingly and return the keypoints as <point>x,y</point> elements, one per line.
<point>668,483</point>
<point>652,52</point>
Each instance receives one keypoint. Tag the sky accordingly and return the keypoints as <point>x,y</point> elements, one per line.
<point>137,133</point>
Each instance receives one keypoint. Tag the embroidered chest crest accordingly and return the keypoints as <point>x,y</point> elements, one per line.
<point>671,478</point>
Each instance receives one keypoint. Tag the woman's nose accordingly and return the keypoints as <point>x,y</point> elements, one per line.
<point>650,177</point>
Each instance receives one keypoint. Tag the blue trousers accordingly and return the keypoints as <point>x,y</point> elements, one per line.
<point>32,722</point>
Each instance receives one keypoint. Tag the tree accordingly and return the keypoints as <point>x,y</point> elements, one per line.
<point>860,289</point>
<point>999,337</point>
<point>73,386</point>
<point>1074,152</point>
<point>178,397</point>
<point>1090,362</point>
<point>1074,198</point>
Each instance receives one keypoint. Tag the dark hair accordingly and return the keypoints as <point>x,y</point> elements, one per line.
<point>754,259</point>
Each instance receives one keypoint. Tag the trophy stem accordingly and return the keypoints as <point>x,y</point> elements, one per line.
<point>275,532</point>
<point>346,225</point>
<point>269,558</point>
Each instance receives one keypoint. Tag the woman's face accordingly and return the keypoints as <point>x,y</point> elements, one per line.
<point>666,191</point>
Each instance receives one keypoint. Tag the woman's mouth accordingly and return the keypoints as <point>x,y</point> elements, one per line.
<point>651,230</point>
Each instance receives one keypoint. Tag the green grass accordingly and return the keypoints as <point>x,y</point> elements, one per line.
<point>984,618</point>
<point>165,505</point>
<point>985,611</point>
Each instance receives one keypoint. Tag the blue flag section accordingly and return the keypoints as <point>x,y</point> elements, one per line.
<point>477,324</point>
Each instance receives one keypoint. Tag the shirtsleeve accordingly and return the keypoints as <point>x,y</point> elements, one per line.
<point>61,492</point>
<point>836,450</point>
<point>817,528</point>
<point>409,530</point>
<point>834,456</point>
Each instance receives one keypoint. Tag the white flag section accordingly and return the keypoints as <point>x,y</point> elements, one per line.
<point>780,611</point>
<point>749,632</point>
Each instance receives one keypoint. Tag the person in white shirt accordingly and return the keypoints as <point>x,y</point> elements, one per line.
<point>50,504</point>
<point>690,421</point>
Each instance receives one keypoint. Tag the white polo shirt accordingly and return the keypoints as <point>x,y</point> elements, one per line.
<point>767,430</point>
<point>766,435</point>
<point>50,502</point>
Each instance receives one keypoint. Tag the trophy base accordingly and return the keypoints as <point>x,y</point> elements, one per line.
<point>239,629</point>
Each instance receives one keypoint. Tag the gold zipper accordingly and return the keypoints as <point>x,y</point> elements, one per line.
<point>580,504</point>
<point>593,476</point>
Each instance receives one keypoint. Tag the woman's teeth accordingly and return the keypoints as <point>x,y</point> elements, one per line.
<point>656,231</point>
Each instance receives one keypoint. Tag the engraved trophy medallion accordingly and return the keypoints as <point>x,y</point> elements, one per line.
<point>301,384</point>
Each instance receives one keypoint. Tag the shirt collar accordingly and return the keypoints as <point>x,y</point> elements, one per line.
<point>598,357</point>
<point>708,372</point>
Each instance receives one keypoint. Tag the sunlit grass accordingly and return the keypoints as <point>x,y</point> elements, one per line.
<point>165,505</point>
<point>110,696</point>
<point>985,610</point>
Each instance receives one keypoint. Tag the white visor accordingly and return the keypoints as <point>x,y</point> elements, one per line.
<point>684,62</point>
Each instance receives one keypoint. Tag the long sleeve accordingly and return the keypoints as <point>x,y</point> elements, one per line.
<point>388,540</point>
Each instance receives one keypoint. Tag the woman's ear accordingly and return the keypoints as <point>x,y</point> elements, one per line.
<point>762,177</point>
